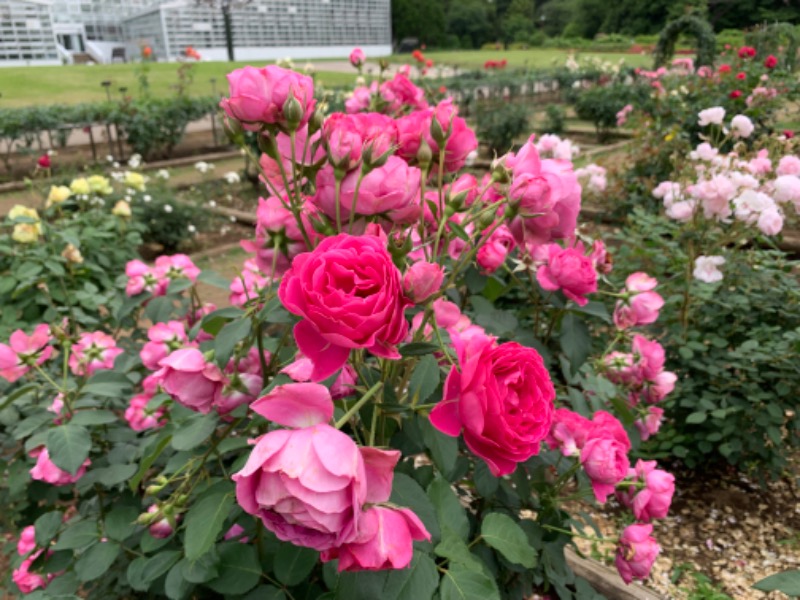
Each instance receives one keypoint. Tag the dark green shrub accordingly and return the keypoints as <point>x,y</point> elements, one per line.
<point>554,118</point>
<point>499,125</point>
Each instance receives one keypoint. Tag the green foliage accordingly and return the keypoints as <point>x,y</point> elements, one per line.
<point>500,126</point>
<point>782,40</point>
<point>600,104</point>
<point>167,221</point>
<point>555,115</point>
<point>787,582</point>
<point>699,28</point>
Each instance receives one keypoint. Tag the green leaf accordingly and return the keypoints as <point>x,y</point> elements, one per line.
<point>46,527</point>
<point>159,564</point>
<point>449,511</point>
<point>461,583</point>
<point>485,483</point>
<point>114,475</point>
<point>408,493</point>
<point>418,349</point>
<point>120,522</point>
<point>68,446</point>
<point>214,279</point>
<point>175,586</point>
<point>595,309</point>
<point>787,582</point>
<point>361,585</point>
<point>696,418</point>
<point>266,592</point>
<point>202,570</point>
<point>425,379</point>
<point>418,582</point>
<point>134,574</point>
<point>160,309</point>
<point>227,338</point>
<point>78,535</point>
<point>96,561</point>
<point>575,340</point>
<point>148,461</point>
<point>239,569</point>
<point>94,417</point>
<point>204,523</point>
<point>194,431</point>
<point>294,563</point>
<point>456,551</point>
<point>444,448</point>
<point>501,533</point>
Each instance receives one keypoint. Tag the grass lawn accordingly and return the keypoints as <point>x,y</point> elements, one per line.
<point>24,86</point>
<point>534,57</point>
<point>71,84</point>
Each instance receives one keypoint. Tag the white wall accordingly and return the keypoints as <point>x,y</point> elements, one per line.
<point>295,53</point>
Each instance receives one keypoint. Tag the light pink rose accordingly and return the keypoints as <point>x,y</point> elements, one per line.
<point>177,266</point>
<point>309,485</point>
<point>770,221</point>
<point>360,100</point>
<point>27,581</point>
<point>742,126</point>
<point>190,379</point>
<point>385,541</point>
<point>642,305</point>
<point>94,351</point>
<point>649,424</point>
<point>788,165</point>
<point>649,357</point>
<point>141,278</point>
<point>46,470</point>
<point>654,499</point>
<point>636,553</point>
<point>706,268</point>
<point>260,96</point>
<point>164,338</point>
<point>620,368</point>
<point>350,295</point>
<point>660,386</point>
<point>139,418</point>
<point>494,251</point>
<point>23,351</point>
<point>569,432</point>
<point>501,397</point>
<point>606,463</point>
<point>568,270</point>
<point>787,189</point>
<point>391,187</point>
<point>27,540</point>
<point>422,280</point>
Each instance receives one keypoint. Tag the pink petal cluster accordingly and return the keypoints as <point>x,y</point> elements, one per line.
<point>650,493</point>
<point>636,552</point>
<point>94,351</point>
<point>46,470</point>
<point>138,416</point>
<point>422,280</point>
<point>568,270</point>
<point>641,304</point>
<point>500,397</point>
<point>249,285</point>
<point>604,456</point>
<point>23,351</point>
<point>163,338</point>
<point>155,280</point>
<point>162,528</point>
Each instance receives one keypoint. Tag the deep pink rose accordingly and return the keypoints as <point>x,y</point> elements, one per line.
<point>360,100</point>
<point>606,425</point>
<point>343,141</point>
<point>494,251</point>
<point>460,139</point>
<point>391,187</point>
<point>190,379</point>
<point>27,540</point>
<point>379,134</point>
<point>357,57</point>
<point>162,528</point>
<point>27,581</point>
<point>465,189</point>
<point>648,356</point>
<point>570,271</point>
<point>46,470</point>
<point>422,280</point>
<point>23,350</point>
<point>262,96</point>
<point>636,553</point>
<point>654,499</point>
<point>399,93</point>
<point>568,432</point>
<point>606,463</point>
<point>385,541</point>
<point>501,397</point>
<point>350,295</point>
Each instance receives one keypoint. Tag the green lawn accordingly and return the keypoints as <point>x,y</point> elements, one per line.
<point>534,57</point>
<point>22,86</point>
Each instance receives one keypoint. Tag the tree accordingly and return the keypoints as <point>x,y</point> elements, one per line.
<point>517,21</point>
<point>422,20</point>
<point>468,20</point>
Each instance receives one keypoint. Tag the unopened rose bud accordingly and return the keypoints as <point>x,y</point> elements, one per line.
<point>424,154</point>
<point>121,209</point>
<point>292,112</point>
<point>437,133</point>
<point>422,280</point>
<point>72,255</point>
<point>266,143</point>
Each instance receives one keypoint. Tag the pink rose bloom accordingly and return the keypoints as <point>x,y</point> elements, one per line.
<point>715,195</point>
<point>357,57</point>
<point>460,139</point>
<point>787,189</point>
<point>141,278</point>
<point>660,386</point>
<point>309,485</point>
<point>464,189</point>
<point>249,285</point>
<point>654,499</point>
<point>788,165</point>
<point>568,270</point>
<point>649,357</point>
<point>391,187</point>
<point>162,528</point>
<point>301,369</point>
<point>569,432</point>
<point>649,424</point>
<point>422,280</point>
<point>501,397</point>
<point>177,266</point>
<point>399,93</point>
<point>350,295</point>
<point>606,425</point>
<point>601,258</point>
<point>379,134</point>
<point>234,532</point>
<point>27,581</point>
<point>636,553</point>
<point>360,100</point>
<point>190,379</point>
<point>761,165</point>
<point>446,313</point>
<point>642,305</point>
<point>706,268</point>
<point>241,388</point>
<point>23,351</point>
<point>164,338</point>
<point>57,407</point>
<point>45,470</point>
<point>94,351</point>
<point>262,96</point>
<point>494,251</point>
<point>27,540</point>
<point>139,418</point>
<point>620,368</point>
<point>606,463</point>
<point>770,221</point>
<point>385,541</point>
<point>412,130</point>
<point>343,141</point>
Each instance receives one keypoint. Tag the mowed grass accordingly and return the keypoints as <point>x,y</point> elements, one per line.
<point>534,58</point>
<point>71,84</point>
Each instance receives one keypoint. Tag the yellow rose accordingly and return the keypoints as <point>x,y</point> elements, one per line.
<point>121,209</point>
<point>80,186</point>
<point>72,254</point>
<point>57,195</point>
<point>25,233</point>
<point>100,185</point>
<point>134,180</point>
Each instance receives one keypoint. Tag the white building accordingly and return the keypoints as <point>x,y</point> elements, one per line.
<point>42,32</point>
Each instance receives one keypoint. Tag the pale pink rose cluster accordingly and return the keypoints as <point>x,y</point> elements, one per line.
<point>156,279</point>
<point>639,305</point>
<point>25,352</point>
<point>594,177</point>
<point>312,486</point>
<point>94,351</point>
<point>249,285</point>
<point>622,115</point>
<point>393,97</point>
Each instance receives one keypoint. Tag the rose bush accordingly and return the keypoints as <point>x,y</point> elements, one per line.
<point>405,389</point>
